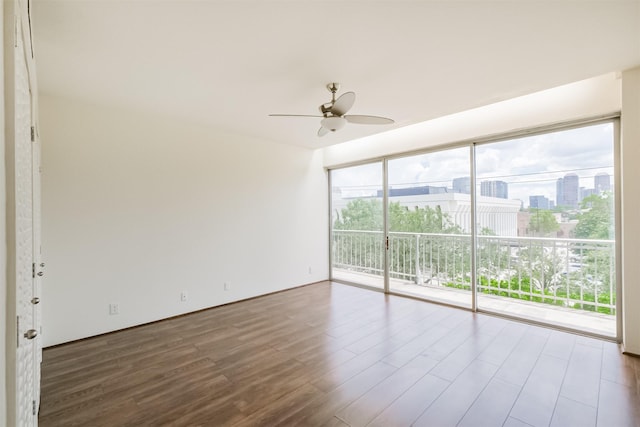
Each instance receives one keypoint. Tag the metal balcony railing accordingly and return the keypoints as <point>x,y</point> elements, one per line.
<point>573,273</point>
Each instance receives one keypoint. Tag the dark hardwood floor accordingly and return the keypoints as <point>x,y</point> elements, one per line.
<point>335,355</point>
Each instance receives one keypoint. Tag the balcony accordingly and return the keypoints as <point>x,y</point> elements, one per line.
<point>565,282</point>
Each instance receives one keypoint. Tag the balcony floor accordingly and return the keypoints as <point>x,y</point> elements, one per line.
<point>578,320</point>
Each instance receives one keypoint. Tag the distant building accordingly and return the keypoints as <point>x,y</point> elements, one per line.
<point>495,214</point>
<point>602,182</point>
<point>566,229</point>
<point>539,202</point>
<point>560,192</point>
<point>586,192</point>
<point>523,219</point>
<point>499,189</point>
<point>462,185</point>
<point>414,191</point>
<point>568,191</point>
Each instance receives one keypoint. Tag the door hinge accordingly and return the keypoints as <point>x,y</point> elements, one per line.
<point>33,270</point>
<point>33,133</point>
<point>33,407</point>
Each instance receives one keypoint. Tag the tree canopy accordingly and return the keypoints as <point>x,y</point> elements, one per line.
<point>542,222</point>
<point>366,214</point>
<point>596,219</point>
<point>360,214</point>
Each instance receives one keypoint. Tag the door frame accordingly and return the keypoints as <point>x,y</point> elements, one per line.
<point>17,24</point>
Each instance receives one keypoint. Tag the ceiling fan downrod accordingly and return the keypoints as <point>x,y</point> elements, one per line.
<point>325,109</point>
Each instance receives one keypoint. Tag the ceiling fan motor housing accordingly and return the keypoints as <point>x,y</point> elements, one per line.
<point>325,109</point>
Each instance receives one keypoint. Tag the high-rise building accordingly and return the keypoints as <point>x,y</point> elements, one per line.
<point>498,189</point>
<point>462,185</point>
<point>560,192</point>
<point>568,191</point>
<point>539,202</point>
<point>571,190</point>
<point>602,182</point>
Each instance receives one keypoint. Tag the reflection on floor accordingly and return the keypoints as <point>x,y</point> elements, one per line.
<point>334,355</point>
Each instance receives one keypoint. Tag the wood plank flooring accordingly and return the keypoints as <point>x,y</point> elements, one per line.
<point>335,355</point>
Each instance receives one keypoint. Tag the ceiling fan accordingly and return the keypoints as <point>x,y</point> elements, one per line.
<point>334,113</point>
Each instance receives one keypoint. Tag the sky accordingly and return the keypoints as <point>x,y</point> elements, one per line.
<point>531,165</point>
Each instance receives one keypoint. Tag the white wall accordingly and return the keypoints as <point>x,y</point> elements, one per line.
<point>137,209</point>
<point>630,157</point>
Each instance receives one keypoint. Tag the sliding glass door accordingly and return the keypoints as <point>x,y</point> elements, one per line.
<point>357,225</point>
<point>429,212</point>
<point>523,227</point>
<point>546,237</point>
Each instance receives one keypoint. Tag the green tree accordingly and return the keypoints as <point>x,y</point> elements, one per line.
<point>542,222</point>
<point>596,219</point>
<point>366,214</point>
<point>361,247</point>
<point>420,220</point>
<point>360,214</point>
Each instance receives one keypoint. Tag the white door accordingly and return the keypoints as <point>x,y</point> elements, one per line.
<point>27,366</point>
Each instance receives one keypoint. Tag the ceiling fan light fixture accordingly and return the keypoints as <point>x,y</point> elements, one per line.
<point>333,123</point>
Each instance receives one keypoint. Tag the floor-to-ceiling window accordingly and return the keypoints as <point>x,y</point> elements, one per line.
<point>357,224</point>
<point>538,212</point>
<point>551,258</point>
<point>429,214</point>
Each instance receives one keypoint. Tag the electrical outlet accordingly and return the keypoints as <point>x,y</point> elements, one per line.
<point>227,286</point>
<point>114,308</point>
<point>183,296</point>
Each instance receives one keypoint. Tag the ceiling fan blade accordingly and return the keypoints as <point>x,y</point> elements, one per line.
<point>368,120</point>
<point>294,115</point>
<point>323,131</point>
<point>343,104</point>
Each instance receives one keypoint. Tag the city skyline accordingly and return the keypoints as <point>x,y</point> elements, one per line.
<point>530,165</point>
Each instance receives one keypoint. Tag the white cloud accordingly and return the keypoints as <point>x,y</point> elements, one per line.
<point>531,165</point>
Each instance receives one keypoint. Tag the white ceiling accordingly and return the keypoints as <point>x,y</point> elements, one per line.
<point>228,64</point>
